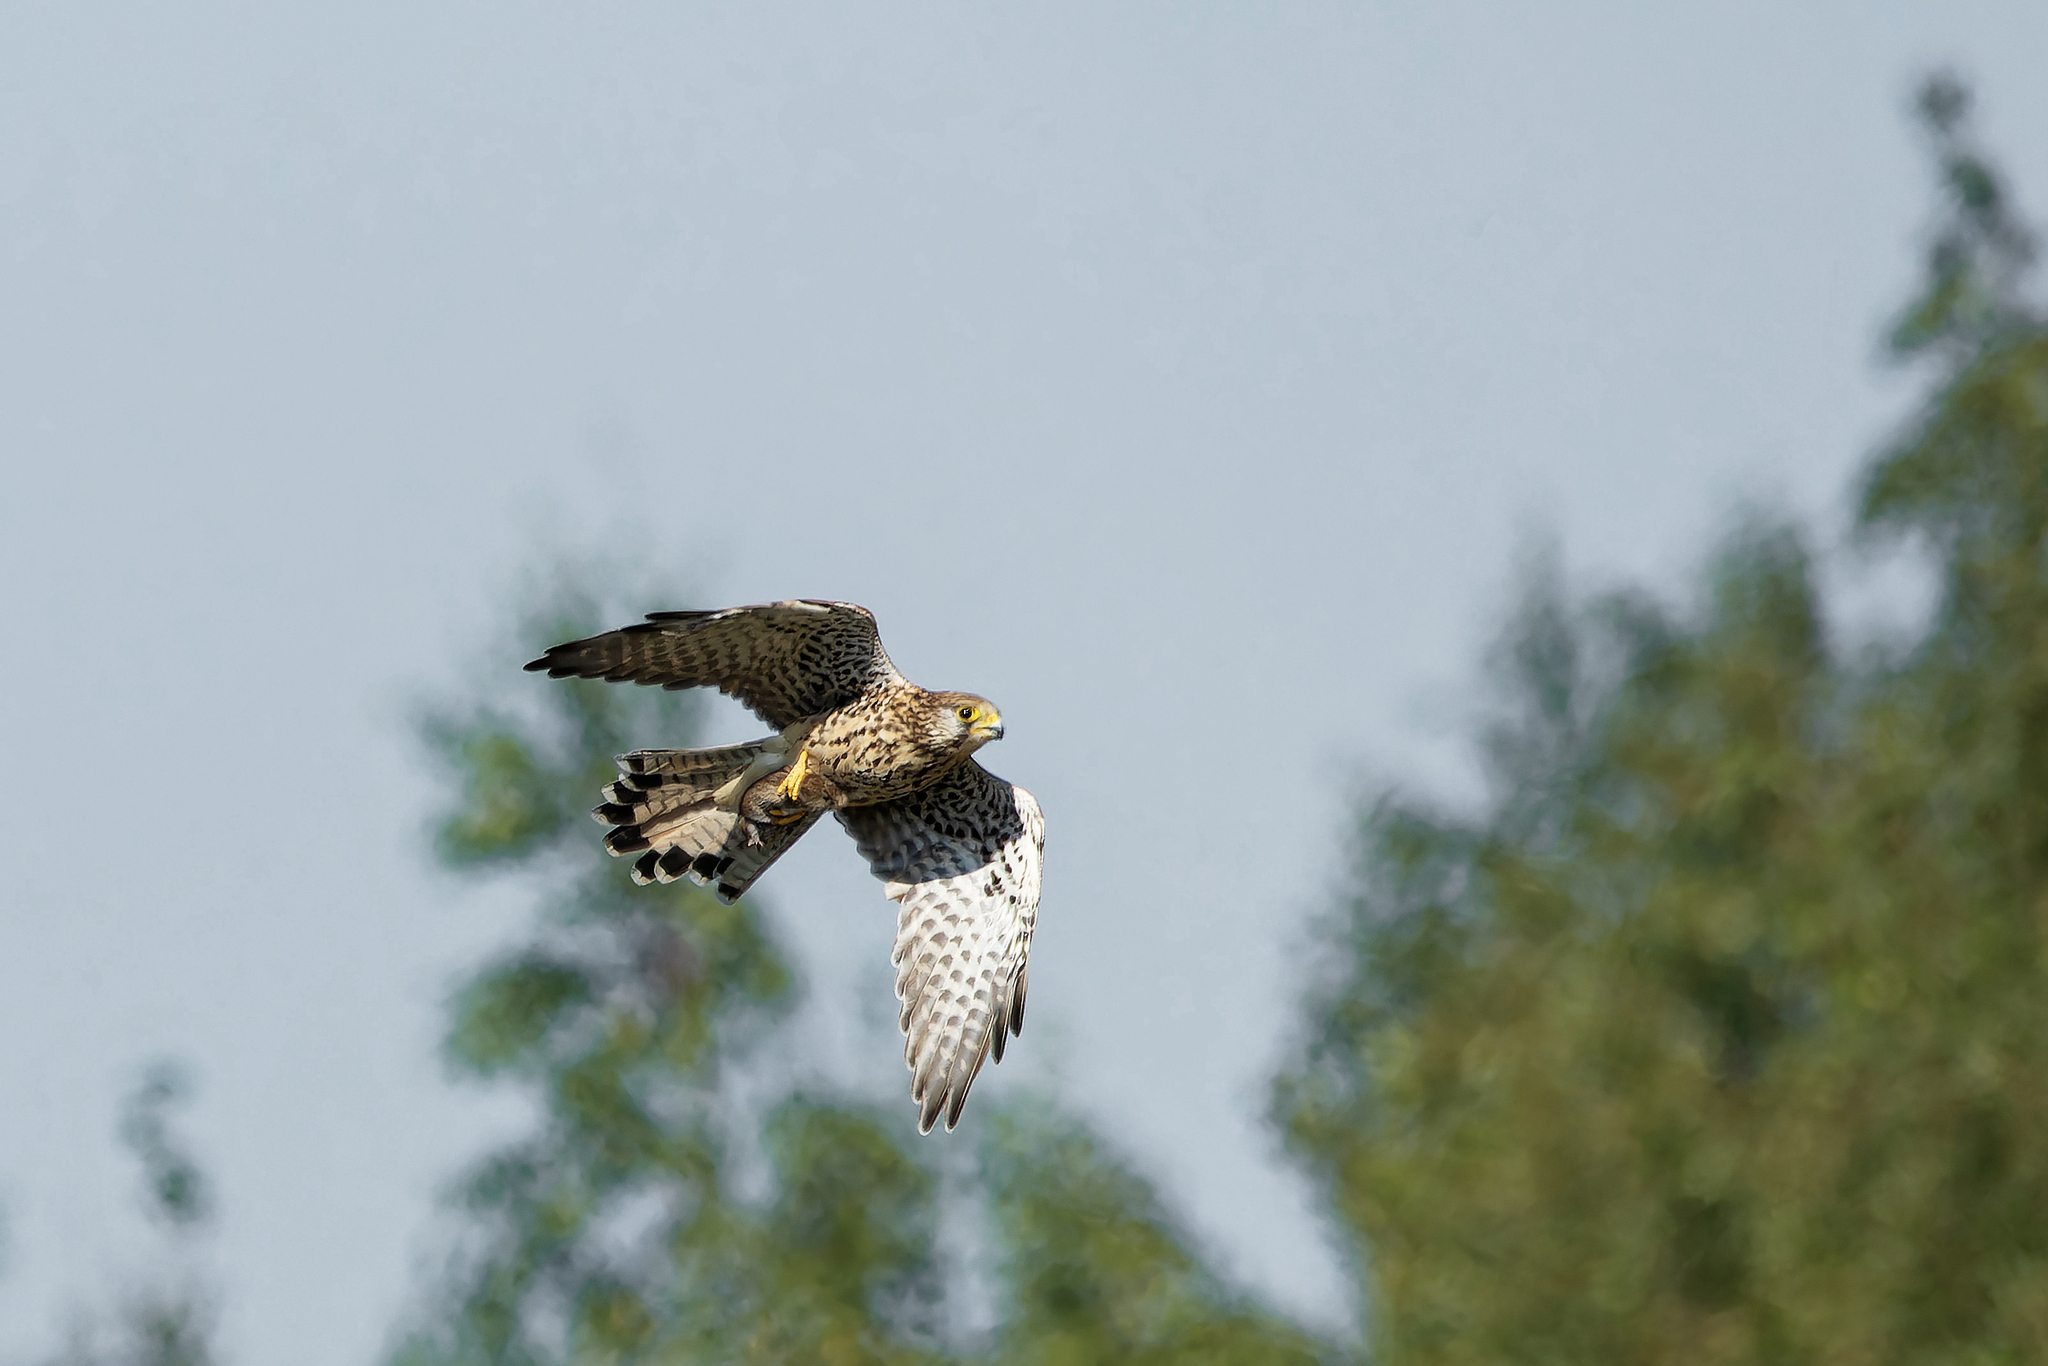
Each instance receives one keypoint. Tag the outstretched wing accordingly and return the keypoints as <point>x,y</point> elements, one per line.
<point>784,660</point>
<point>962,858</point>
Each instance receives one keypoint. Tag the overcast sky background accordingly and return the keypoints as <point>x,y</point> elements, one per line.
<point>1184,379</point>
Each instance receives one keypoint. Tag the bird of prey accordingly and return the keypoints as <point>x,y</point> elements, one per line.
<point>960,849</point>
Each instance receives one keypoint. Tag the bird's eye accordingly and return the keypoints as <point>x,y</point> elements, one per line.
<point>967,713</point>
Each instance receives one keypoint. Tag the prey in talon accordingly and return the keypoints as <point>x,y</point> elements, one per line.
<point>960,850</point>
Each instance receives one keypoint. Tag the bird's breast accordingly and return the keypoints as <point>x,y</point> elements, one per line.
<point>872,756</point>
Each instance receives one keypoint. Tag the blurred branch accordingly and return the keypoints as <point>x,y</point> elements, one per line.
<point>170,1322</point>
<point>1981,250</point>
<point>178,1194</point>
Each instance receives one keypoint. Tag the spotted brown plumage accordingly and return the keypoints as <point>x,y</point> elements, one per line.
<point>960,850</point>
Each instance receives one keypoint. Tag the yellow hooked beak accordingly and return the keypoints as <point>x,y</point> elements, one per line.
<point>987,725</point>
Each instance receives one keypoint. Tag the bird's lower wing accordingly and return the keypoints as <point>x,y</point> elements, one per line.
<point>963,860</point>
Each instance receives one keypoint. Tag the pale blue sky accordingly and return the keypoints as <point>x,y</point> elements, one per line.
<point>1217,357</point>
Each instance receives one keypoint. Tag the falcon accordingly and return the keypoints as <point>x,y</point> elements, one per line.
<point>959,849</point>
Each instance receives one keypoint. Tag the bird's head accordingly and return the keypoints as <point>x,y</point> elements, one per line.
<point>967,721</point>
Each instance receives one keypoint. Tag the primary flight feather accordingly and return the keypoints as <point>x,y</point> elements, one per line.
<point>959,849</point>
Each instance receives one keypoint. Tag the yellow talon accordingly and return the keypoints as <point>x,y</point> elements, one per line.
<point>795,779</point>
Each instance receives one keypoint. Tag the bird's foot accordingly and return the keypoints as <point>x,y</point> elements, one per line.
<point>795,781</point>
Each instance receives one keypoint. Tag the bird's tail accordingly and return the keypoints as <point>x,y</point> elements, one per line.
<point>665,808</point>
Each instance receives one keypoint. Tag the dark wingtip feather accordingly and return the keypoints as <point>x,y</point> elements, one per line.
<point>1017,999</point>
<point>554,663</point>
<point>626,839</point>
<point>643,869</point>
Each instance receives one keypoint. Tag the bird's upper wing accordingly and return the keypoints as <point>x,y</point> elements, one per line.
<point>962,858</point>
<point>784,660</point>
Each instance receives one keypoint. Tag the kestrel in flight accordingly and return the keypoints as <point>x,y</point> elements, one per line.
<point>960,849</point>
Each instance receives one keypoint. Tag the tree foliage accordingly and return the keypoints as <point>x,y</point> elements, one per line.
<point>1098,1273</point>
<point>1716,1037</point>
<point>168,1319</point>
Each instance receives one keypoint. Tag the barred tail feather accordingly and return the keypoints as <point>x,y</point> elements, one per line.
<point>663,808</point>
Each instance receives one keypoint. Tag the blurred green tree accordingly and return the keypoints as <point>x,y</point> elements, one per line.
<point>630,1225</point>
<point>168,1320</point>
<point>1717,1037</point>
<point>1097,1273</point>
